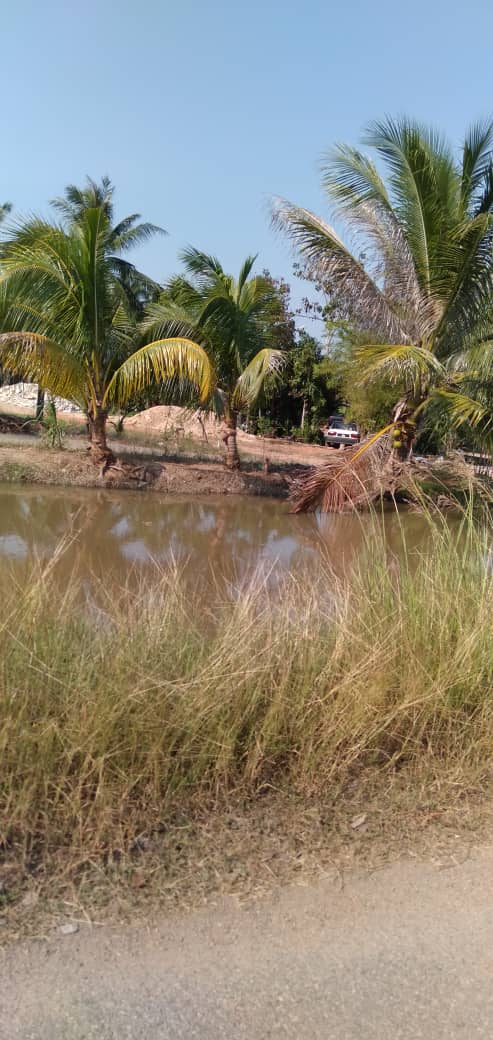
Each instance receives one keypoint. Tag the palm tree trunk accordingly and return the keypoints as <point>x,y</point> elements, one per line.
<point>232,459</point>
<point>405,431</point>
<point>101,454</point>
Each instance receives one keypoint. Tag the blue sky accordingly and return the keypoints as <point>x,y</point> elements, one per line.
<point>200,111</point>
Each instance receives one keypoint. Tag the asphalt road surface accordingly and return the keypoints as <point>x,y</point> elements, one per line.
<point>402,954</point>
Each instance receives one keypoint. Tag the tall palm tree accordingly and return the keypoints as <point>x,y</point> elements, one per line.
<point>231,318</point>
<point>418,288</point>
<point>73,329</point>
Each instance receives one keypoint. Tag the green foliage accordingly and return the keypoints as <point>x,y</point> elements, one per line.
<point>238,322</point>
<point>418,294</point>
<point>263,426</point>
<point>124,235</point>
<point>54,429</point>
<point>232,319</point>
<point>368,403</point>
<point>311,388</point>
<point>70,316</point>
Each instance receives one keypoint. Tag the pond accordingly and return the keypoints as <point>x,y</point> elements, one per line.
<point>117,536</point>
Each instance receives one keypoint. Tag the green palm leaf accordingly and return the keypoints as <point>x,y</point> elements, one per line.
<point>37,359</point>
<point>252,379</point>
<point>465,410</point>
<point>179,364</point>
<point>401,363</point>
<point>232,319</point>
<point>476,163</point>
<point>167,320</point>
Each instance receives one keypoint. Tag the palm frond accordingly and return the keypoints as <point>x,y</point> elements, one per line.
<point>339,271</point>
<point>470,294</point>
<point>250,382</point>
<point>353,182</point>
<point>464,409</point>
<point>476,161</point>
<point>129,273</point>
<point>181,365</point>
<point>402,363</point>
<point>75,200</point>
<point>200,264</point>
<point>245,272</point>
<point>485,197</point>
<point>340,486</point>
<point>426,191</point>
<point>128,235</point>
<point>167,319</point>
<point>37,359</point>
<point>228,316</point>
<point>351,178</point>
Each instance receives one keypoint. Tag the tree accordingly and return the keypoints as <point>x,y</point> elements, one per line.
<point>307,382</point>
<point>233,319</point>
<point>310,391</point>
<point>73,328</point>
<point>419,295</point>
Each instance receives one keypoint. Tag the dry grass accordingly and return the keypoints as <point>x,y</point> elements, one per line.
<point>116,723</point>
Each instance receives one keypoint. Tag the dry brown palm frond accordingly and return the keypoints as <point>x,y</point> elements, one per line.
<point>348,483</point>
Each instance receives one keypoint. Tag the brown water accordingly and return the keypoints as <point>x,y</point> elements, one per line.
<point>116,536</point>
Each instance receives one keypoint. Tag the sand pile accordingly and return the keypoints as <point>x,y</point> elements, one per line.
<point>172,421</point>
<point>25,395</point>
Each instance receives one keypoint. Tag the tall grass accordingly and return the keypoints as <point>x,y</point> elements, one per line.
<point>110,715</point>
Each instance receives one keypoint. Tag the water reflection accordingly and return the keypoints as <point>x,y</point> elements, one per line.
<point>114,534</point>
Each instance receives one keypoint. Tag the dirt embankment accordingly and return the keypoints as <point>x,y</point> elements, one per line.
<point>162,442</point>
<point>38,465</point>
<point>167,421</point>
<point>167,424</point>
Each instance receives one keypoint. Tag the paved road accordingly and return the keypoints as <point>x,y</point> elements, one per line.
<point>403,954</point>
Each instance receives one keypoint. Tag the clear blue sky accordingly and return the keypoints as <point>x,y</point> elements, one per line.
<point>199,111</point>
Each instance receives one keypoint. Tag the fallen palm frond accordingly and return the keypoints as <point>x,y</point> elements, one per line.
<point>351,482</point>
<point>371,470</point>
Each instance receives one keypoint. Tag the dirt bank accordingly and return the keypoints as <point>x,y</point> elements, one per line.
<point>38,465</point>
<point>171,426</point>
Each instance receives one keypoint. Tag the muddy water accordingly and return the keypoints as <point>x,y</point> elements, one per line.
<point>119,537</point>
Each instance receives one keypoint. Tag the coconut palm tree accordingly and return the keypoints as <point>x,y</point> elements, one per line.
<point>73,329</point>
<point>417,288</point>
<point>231,318</point>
